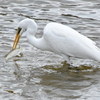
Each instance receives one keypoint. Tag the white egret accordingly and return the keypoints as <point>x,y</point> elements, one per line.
<point>59,39</point>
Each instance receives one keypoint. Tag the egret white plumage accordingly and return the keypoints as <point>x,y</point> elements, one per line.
<point>59,39</point>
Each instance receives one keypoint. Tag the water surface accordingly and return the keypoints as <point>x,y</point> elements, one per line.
<point>42,75</point>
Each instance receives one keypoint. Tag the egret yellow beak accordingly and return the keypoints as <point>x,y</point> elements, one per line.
<point>16,40</point>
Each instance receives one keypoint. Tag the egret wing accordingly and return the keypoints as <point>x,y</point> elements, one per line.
<point>65,40</point>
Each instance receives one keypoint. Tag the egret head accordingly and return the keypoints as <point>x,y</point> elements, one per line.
<point>26,25</point>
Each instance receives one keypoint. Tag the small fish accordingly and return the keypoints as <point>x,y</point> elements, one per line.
<point>13,53</point>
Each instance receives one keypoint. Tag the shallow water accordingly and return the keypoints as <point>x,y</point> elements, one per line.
<point>41,75</point>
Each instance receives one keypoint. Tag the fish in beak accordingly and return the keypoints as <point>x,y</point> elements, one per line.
<point>16,40</point>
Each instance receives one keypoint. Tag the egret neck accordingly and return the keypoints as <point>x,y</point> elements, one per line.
<point>37,42</point>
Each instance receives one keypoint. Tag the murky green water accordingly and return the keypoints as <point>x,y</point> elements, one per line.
<point>41,75</point>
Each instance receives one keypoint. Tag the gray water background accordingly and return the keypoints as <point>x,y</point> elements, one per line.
<point>42,75</point>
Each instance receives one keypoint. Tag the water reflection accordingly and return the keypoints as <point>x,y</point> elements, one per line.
<point>65,84</point>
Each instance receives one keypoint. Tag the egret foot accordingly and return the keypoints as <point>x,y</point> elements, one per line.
<point>69,67</point>
<point>74,68</point>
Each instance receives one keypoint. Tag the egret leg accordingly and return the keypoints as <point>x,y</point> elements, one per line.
<point>67,58</point>
<point>70,66</point>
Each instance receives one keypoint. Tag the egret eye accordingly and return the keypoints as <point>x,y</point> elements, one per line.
<point>19,29</point>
